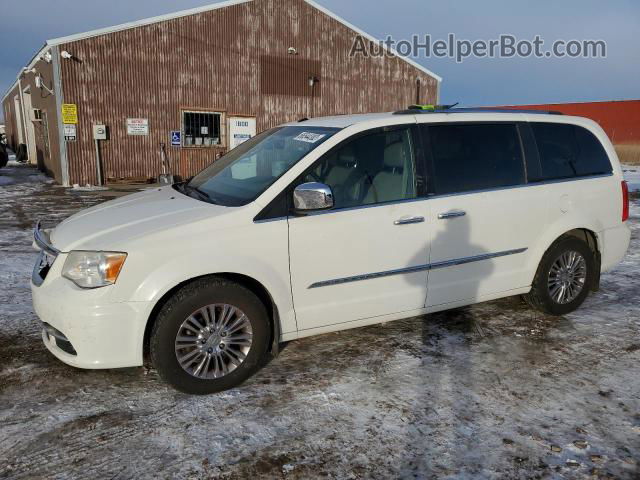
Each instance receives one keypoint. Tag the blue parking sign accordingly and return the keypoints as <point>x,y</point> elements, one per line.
<point>176,138</point>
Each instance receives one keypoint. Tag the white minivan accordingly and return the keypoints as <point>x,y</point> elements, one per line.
<point>329,224</point>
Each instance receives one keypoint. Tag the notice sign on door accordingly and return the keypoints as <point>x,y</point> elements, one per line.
<point>69,113</point>
<point>241,129</point>
<point>69,133</point>
<point>137,126</point>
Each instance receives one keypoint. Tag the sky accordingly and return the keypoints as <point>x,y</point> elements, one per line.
<point>477,81</point>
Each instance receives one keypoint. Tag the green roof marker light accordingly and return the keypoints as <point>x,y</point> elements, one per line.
<point>432,108</point>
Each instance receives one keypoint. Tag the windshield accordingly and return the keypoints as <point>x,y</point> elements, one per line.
<point>249,169</point>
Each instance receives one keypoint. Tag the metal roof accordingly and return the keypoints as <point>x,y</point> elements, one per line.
<point>193,11</point>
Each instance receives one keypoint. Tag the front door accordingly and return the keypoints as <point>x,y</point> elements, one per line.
<point>366,257</point>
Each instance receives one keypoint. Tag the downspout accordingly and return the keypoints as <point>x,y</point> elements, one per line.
<point>438,92</point>
<point>57,89</point>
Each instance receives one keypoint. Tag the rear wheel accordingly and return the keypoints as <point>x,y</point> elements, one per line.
<point>210,336</point>
<point>564,277</point>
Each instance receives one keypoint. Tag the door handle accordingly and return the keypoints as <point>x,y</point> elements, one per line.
<point>409,220</point>
<point>454,214</point>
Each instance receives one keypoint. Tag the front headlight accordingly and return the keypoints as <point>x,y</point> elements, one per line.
<point>93,269</point>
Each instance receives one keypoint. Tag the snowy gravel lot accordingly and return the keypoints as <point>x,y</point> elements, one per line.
<point>490,391</point>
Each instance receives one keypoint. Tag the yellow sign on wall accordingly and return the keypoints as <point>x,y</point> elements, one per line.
<point>69,113</point>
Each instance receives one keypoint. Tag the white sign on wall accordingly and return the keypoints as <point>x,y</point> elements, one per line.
<point>137,126</point>
<point>241,129</point>
<point>70,132</point>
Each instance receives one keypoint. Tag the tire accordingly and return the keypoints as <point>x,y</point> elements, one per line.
<point>180,317</point>
<point>540,297</point>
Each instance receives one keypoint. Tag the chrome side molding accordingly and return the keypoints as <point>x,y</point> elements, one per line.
<point>417,268</point>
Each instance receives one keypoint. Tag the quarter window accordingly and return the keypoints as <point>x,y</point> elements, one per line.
<point>375,168</point>
<point>568,151</point>
<point>475,157</point>
<point>201,129</point>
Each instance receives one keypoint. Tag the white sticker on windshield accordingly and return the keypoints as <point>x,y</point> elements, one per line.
<point>310,137</point>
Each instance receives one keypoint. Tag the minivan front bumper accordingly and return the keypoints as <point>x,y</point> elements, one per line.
<point>102,333</point>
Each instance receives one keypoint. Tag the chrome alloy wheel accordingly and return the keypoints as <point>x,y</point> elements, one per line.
<point>567,277</point>
<point>213,341</point>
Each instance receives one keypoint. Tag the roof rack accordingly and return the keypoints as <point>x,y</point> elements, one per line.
<point>426,109</point>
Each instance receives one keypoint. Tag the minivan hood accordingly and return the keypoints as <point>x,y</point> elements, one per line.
<point>111,224</point>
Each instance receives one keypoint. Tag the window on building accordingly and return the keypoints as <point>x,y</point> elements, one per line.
<point>475,157</point>
<point>569,151</point>
<point>201,129</point>
<point>375,168</point>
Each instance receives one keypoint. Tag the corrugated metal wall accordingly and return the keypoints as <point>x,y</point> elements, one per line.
<point>45,131</point>
<point>211,61</point>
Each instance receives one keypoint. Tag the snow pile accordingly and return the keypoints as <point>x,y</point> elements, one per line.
<point>88,188</point>
<point>36,178</point>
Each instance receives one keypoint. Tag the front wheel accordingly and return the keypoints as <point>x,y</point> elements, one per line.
<point>564,277</point>
<point>210,336</point>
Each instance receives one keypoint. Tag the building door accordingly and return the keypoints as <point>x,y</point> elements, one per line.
<point>367,257</point>
<point>30,130</point>
<point>19,125</point>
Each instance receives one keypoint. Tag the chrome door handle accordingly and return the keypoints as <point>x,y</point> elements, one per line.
<point>409,220</point>
<point>457,213</point>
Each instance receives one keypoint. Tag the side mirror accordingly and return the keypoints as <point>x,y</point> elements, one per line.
<point>312,196</point>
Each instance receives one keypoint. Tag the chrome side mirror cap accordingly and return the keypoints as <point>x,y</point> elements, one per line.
<point>312,196</point>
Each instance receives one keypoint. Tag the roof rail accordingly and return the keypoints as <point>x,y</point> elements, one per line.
<point>416,111</point>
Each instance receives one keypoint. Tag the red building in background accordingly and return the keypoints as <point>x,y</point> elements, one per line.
<point>620,119</point>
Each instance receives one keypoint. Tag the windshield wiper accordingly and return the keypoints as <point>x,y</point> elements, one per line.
<point>188,189</point>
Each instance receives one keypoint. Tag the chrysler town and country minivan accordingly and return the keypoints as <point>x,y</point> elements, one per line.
<point>329,224</point>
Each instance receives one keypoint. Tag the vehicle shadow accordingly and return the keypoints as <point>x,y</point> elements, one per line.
<point>447,357</point>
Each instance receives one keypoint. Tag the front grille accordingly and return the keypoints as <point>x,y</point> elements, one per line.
<point>62,342</point>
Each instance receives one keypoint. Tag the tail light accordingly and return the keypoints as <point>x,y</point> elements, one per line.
<point>625,201</point>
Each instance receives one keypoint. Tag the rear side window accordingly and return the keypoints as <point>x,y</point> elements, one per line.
<point>592,158</point>
<point>568,151</point>
<point>475,157</point>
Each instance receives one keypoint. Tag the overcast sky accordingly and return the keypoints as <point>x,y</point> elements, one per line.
<point>26,24</point>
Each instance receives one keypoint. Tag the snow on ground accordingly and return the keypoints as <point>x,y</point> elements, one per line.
<point>632,176</point>
<point>490,391</point>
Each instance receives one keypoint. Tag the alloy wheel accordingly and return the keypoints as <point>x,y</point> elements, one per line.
<point>567,277</point>
<point>213,341</point>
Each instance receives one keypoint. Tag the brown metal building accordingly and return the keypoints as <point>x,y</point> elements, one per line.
<point>215,74</point>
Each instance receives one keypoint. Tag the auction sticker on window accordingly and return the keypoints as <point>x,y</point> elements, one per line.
<point>310,137</point>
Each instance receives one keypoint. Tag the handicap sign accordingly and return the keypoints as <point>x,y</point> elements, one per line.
<point>176,138</point>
